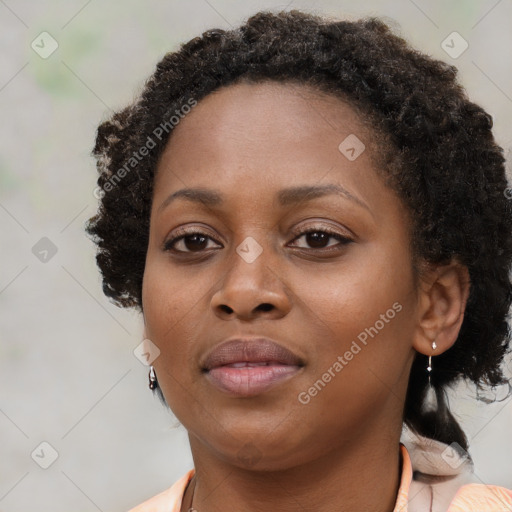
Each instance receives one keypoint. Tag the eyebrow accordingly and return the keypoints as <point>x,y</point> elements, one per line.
<point>285,197</point>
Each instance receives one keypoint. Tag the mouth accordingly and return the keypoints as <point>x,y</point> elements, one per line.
<point>250,367</point>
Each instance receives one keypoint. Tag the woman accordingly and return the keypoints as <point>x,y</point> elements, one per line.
<point>319,250</point>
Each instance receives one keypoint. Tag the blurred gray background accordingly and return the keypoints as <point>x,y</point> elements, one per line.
<point>68,374</point>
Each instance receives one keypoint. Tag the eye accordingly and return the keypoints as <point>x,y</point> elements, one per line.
<point>318,238</point>
<point>189,242</point>
<point>194,241</point>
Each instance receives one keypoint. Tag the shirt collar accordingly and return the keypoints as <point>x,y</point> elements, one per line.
<point>405,481</point>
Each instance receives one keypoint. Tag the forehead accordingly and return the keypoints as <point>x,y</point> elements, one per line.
<point>305,105</point>
<point>269,127</point>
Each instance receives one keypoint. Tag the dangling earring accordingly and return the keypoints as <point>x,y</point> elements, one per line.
<point>152,378</point>
<point>430,399</point>
<point>429,367</point>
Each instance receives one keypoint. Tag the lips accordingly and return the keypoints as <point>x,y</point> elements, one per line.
<point>249,366</point>
<point>250,350</point>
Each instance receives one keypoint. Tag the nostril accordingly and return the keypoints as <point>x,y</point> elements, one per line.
<point>262,307</point>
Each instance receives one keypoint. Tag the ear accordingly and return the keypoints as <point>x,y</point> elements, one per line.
<point>443,294</point>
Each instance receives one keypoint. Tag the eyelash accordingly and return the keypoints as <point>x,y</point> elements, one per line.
<point>183,233</point>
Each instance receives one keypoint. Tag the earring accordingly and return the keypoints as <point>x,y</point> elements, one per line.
<point>429,403</point>
<point>429,367</point>
<point>152,378</point>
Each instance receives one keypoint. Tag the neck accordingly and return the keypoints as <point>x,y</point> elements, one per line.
<point>358,475</point>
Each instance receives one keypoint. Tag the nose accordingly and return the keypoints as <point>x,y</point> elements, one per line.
<point>250,289</point>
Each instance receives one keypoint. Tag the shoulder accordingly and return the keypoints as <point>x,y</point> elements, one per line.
<point>168,500</point>
<point>457,496</point>
<point>488,498</point>
<point>443,479</point>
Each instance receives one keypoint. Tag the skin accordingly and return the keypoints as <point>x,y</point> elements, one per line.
<point>249,141</point>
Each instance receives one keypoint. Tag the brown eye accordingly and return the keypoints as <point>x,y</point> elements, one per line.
<point>195,242</point>
<point>319,239</point>
<point>189,242</point>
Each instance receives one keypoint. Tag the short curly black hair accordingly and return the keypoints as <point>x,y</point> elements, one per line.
<point>440,158</point>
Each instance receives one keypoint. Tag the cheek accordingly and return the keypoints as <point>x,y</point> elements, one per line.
<point>348,298</point>
<point>171,309</point>
<point>172,304</point>
<point>363,312</point>
<point>361,349</point>
<point>168,292</point>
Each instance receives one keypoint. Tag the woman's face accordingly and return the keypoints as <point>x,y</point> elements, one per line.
<point>341,298</point>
